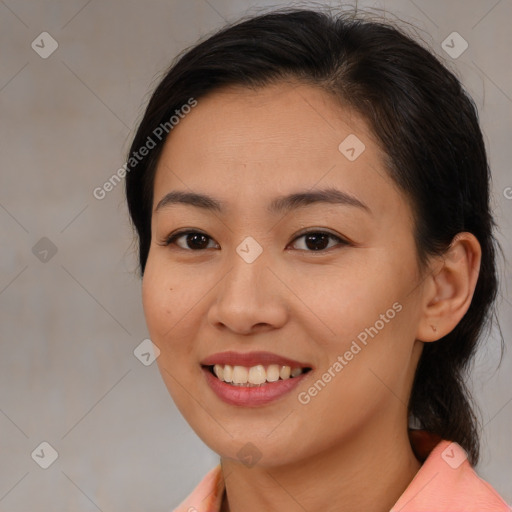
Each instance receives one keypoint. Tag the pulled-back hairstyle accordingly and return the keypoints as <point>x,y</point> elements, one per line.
<point>425,123</point>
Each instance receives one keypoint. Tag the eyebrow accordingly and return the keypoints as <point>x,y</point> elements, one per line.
<point>278,205</point>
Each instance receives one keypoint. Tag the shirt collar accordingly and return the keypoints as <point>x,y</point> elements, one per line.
<point>446,481</point>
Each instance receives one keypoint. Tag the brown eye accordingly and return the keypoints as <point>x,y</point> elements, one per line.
<point>193,240</point>
<point>314,241</point>
<point>319,240</point>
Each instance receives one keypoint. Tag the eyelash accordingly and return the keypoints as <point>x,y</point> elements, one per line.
<point>172,238</point>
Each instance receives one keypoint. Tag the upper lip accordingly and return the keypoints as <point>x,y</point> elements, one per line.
<point>249,359</point>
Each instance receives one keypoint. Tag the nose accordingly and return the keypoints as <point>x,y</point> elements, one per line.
<point>249,298</point>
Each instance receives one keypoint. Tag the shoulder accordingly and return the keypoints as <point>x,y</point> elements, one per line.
<point>447,482</point>
<point>207,495</point>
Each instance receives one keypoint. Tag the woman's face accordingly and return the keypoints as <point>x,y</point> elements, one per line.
<point>343,301</point>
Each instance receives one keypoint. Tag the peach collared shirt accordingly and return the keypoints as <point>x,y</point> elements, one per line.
<point>445,482</point>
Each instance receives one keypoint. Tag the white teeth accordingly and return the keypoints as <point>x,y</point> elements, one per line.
<point>255,375</point>
<point>219,371</point>
<point>295,372</point>
<point>273,373</point>
<point>240,375</point>
<point>284,372</point>
<point>228,373</point>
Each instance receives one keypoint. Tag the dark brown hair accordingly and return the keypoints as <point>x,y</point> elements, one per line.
<point>426,125</point>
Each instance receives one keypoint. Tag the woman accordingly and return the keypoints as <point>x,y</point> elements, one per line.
<point>317,264</point>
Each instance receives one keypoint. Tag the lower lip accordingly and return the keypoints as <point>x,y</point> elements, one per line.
<point>251,396</point>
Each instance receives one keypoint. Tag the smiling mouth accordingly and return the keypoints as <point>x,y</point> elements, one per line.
<point>254,376</point>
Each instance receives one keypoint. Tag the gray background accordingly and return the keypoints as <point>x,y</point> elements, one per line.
<point>69,325</point>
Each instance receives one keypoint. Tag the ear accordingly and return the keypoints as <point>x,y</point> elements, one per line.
<point>449,288</point>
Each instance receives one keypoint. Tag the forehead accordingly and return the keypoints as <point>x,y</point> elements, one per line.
<point>290,120</point>
<point>247,143</point>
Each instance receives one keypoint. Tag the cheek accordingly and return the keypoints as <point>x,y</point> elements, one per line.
<point>372,315</point>
<point>164,303</point>
<point>164,294</point>
<point>155,302</point>
<point>171,301</point>
<point>165,310</point>
<point>347,300</point>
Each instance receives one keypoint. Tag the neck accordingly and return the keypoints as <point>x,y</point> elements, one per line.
<point>368,473</point>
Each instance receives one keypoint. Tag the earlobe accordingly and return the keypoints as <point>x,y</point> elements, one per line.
<point>450,287</point>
